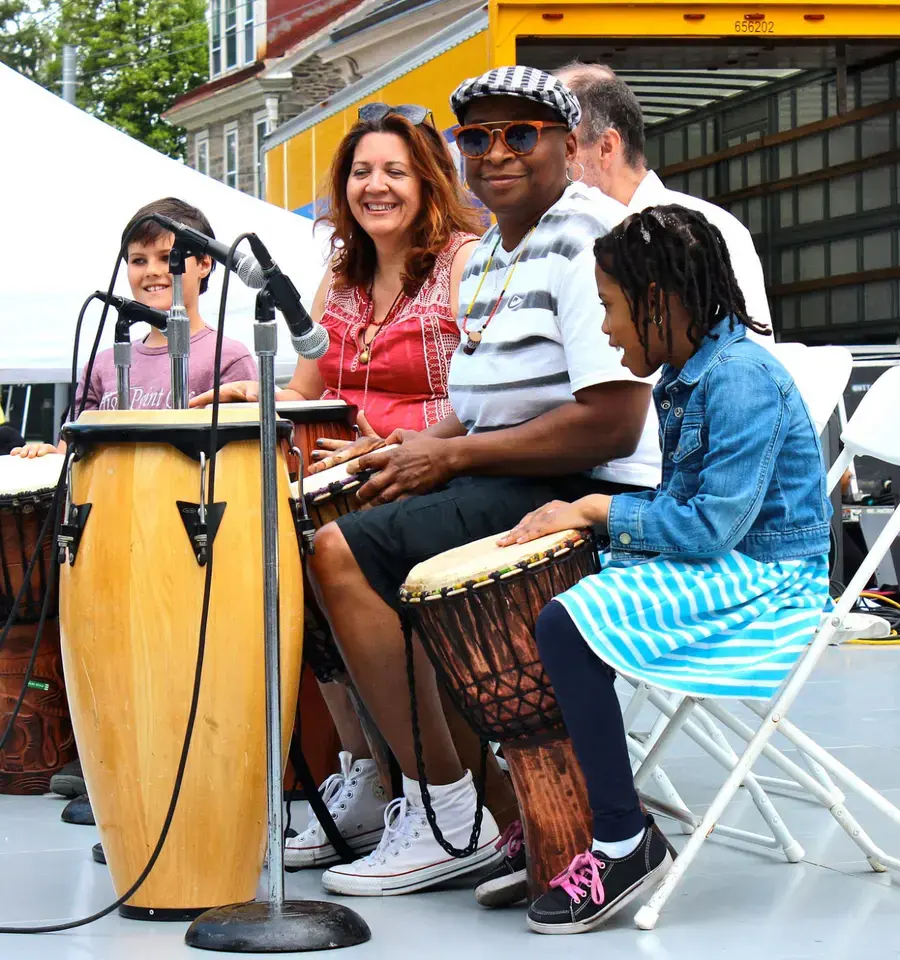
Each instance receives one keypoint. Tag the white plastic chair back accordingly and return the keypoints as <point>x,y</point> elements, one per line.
<point>872,430</point>
<point>821,375</point>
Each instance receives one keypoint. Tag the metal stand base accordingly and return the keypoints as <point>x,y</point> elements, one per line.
<point>297,925</point>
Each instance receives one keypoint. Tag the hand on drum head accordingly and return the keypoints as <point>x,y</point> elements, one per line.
<point>326,457</point>
<point>418,465</point>
<point>556,516</point>
<point>32,450</point>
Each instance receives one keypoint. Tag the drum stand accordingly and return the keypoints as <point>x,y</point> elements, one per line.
<point>275,925</point>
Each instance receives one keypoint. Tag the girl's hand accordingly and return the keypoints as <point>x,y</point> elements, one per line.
<point>333,452</point>
<point>556,516</point>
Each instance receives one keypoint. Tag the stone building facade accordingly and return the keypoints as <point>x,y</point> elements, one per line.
<point>299,58</point>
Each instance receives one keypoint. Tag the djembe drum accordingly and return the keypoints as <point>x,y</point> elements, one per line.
<point>474,609</point>
<point>41,741</point>
<point>131,598</point>
<point>331,493</point>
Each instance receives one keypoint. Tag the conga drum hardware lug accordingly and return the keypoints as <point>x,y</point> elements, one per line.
<point>306,530</point>
<point>199,533</point>
<point>70,532</point>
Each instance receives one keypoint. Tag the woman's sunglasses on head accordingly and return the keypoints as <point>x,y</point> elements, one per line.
<point>375,112</point>
<point>521,137</point>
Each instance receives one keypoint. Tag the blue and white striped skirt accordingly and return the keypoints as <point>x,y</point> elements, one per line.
<point>729,627</point>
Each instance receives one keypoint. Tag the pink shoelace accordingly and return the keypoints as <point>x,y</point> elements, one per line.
<point>513,838</point>
<point>580,877</point>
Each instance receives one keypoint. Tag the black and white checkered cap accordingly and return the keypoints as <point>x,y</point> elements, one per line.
<point>526,82</point>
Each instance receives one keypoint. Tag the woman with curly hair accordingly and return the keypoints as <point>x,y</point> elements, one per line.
<point>402,233</point>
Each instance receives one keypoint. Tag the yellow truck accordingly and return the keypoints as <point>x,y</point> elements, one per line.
<point>785,113</point>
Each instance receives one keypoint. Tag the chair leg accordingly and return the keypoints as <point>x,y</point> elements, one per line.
<point>793,851</point>
<point>648,915</point>
<point>878,859</point>
<point>720,750</point>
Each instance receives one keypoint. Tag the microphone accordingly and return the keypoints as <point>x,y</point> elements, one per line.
<point>245,266</point>
<point>134,312</point>
<point>309,339</point>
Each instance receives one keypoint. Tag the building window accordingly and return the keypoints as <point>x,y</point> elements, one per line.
<point>231,155</point>
<point>216,37</point>
<point>249,42</point>
<point>201,154</point>
<point>260,129</point>
<point>231,39</point>
<point>233,21</point>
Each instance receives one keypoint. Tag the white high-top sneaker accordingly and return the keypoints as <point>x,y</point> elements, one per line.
<point>408,858</point>
<point>356,799</point>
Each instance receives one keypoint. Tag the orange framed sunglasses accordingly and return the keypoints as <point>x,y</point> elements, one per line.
<point>520,137</point>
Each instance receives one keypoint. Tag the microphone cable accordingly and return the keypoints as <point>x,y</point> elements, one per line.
<point>204,617</point>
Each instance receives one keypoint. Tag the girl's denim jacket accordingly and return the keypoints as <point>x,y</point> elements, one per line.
<point>741,463</point>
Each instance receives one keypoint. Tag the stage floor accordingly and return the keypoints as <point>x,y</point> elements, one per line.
<point>737,902</point>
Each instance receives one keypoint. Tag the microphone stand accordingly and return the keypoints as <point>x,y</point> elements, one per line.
<point>276,925</point>
<point>122,360</point>
<point>178,332</point>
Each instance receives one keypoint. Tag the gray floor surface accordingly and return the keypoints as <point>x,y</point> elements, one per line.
<point>736,902</point>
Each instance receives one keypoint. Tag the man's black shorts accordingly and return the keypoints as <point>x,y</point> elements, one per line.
<point>388,541</point>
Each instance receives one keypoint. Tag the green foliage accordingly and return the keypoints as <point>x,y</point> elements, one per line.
<point>135,57</point>
<point>24,40</point>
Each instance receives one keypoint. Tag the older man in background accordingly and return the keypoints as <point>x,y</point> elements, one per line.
<point>611,142</point>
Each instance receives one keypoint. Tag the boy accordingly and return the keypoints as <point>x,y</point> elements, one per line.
<point>147,259</point>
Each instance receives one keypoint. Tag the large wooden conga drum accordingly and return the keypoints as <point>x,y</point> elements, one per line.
<point>474,609</point>
<point>41,741</point>
<point>130,610</point>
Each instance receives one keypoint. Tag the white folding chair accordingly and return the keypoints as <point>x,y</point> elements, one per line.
<point>871,431</point>
<point>821,375</point>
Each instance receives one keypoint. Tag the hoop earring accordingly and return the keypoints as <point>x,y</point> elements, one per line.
<point>580,176</point>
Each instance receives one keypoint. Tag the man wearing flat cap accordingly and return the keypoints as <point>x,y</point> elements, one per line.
<point>543,410</point>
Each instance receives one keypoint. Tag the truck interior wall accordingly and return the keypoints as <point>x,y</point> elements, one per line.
<point>821,200</point>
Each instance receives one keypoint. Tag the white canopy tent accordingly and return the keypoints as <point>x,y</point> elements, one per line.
<point>69,184</point>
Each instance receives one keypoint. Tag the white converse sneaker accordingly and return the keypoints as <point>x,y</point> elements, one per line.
<point>356,799</point>
<point>408,857</point>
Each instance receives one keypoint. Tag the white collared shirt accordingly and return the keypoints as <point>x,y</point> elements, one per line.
<point>745,261</point>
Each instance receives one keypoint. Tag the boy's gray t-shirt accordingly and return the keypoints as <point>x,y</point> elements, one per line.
<point>151,378</point>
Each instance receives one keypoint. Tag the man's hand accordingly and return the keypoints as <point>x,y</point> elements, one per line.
<point>419,464</point>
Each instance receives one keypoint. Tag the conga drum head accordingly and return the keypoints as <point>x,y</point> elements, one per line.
<point>26,492</point>
<point>315,411</point>
<point>475,608</point>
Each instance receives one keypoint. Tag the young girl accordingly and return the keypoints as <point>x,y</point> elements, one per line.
<point>714,582</point>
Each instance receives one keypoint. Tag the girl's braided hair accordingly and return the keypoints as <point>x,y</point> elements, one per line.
<point>670,251</point>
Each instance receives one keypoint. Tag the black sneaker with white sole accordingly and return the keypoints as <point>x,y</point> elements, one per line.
<point>507,883</point>
<point>594,887</point>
